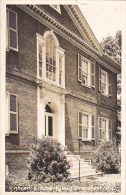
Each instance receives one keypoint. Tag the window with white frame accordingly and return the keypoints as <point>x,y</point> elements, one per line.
<point>104,82</point>
<point>86,71</point>
<point>11,113</point>
<point>105,129</point>
<point>11,30</point>
<point>50,59</point>
<point>86,126</point>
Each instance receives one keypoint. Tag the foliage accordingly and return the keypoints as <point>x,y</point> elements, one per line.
<point>107,158</point>
<point>113,47</point>
<point>8,184</point>
<point>47,161</point>
<point>73,185</point>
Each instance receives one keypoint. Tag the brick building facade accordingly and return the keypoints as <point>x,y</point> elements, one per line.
<point>59,83</point>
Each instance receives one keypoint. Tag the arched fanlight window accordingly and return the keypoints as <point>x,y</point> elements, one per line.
<point>48,109</point>
<point>50,58</point>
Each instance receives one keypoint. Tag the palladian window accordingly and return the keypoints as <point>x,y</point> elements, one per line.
<point>50,59</point>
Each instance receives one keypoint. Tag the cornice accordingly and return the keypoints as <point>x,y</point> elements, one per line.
<point>83,26</point>
<point>71,14</point>
<point>107,66</point>
<point>45,18</point>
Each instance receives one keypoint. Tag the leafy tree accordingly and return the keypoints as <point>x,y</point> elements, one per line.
<point>113,47</point>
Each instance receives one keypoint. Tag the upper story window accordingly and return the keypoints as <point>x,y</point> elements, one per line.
<point>11,113</point>
<point>86,126</point>
<point>104,83</point>
<point>105,129</point>
<point>50,59</point>
<point>56,7</point>
<point>86,72</point>
<point>11,30</point>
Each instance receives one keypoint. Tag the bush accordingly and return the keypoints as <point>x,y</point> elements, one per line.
<point>47,161</point>
<point>107,158</point>
<point>8,184</point>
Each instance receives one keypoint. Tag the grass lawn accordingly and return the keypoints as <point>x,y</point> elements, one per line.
<point>107,183</point>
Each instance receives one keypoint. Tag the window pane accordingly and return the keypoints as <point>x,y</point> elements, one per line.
<point>100,73</point>
<point>50,57</point>
<point>110,135</point>
<point>50,126</point>
<point>100,85</point>
<point>92,132</point>
<point>80,74</point>
<point>92,68</point>
<point>100,124</point>
<point>40,72</point>
<point>92,80</point>
<point>109,90</point>
<point>79,61</point>
<point>40,64</point>
<point>80,118</point>
<point>85,120</point>
<point>12,19</point>
<point>13,39</point>
<point>109,79</point>
<point>13,122</point>
<point>110,124</point>
<point>100,134</point>
<point>12,103</point>
<point>92,120</point>
<point>80,131</point>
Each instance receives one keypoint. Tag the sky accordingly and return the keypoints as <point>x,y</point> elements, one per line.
<point>103,17</point>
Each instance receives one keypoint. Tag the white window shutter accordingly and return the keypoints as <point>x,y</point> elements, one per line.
<point>79,68</point>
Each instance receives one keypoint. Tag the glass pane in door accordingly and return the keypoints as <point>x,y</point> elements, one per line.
<point>50,126</point>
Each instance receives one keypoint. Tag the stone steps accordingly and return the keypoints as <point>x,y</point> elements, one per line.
<point>86,169</point>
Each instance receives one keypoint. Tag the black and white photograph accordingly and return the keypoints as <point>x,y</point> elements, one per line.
<point>61,75</point>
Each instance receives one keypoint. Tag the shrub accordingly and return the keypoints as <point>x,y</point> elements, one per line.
<point>47,161</point>
<point>8,184</point>
<point>107,158</point>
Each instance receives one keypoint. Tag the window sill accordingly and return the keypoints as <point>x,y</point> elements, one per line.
<point>83,139</point>
<point>40,80</point>
<point>8,49</point>
<point>86,86</point>
<point>104,95</point>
